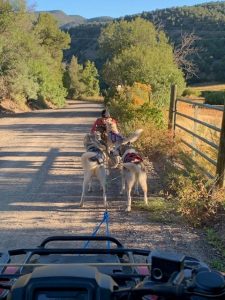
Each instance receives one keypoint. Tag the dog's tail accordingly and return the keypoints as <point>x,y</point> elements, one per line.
<point>133,137</point>
<point>136,168</point>
<point>85,159</point>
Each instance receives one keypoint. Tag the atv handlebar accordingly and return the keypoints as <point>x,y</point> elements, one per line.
<point>84,273</point>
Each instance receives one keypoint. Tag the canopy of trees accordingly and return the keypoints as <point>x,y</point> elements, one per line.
<point>30,55</point>
<point>137,52</point>
<point>207,21</point>
<point>81,81</point>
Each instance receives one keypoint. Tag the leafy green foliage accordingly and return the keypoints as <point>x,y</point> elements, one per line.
<point>122,35</point>
<point>50,37</point>
<point>81,81</point>
<point>137,52</point>
<point>191,92</point>
<point>132,116</point>
<point>90,79</point>
<point>30,61</point>
<point>217,242</point>
<point>72,79</point>
<point>214,97</point>
<point>207,21</point>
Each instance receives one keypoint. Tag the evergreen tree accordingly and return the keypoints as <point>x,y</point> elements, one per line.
<point>90,79</point>
<point>74,85</point>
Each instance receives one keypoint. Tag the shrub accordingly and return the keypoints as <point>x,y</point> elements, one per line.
<point>155,140</point>
<point>198,200</point>
<point>214,97</point>
<point>191,92</point>
<point>132,103</point>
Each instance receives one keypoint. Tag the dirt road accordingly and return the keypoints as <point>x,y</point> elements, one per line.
<point>40,186</point>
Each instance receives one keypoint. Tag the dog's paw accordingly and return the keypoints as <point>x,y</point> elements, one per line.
<point>81,204</point>
<point>128,209</point>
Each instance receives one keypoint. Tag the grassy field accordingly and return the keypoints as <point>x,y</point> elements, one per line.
<point>209,87</point>
<point>210,116</point>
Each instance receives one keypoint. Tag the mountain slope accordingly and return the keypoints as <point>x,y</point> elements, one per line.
<point>207,21</point>
<point>69,21</point>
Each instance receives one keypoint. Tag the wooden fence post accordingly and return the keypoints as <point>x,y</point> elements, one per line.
<point>220,168</point>
<point>173,96</point>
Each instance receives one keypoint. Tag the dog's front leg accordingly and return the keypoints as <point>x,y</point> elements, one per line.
<point>101,175</point>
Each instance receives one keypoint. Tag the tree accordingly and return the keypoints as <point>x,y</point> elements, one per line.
<point>30,68</point>
<point>140,54</point>
<point>122,35</point>
<point>50,36</point>
<point>184,52</point>
<point>90,79</point>
<point>72,79</point>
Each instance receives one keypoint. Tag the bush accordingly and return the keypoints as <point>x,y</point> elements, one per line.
<point>155,140</point>
<point>214,97</point>
<point>191,92</point>
<point>155,143</point>
<point>198,200</point>
<point>126,109</point>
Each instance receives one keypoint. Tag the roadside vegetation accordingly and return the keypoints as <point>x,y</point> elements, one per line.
<point>32,71</point>
<point>30,55</point>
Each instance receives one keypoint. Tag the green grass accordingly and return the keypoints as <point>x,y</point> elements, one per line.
<point>160,210</point>
<point>218,244</point>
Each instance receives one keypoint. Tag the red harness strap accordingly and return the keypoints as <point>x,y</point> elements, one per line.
<point>132,157</point>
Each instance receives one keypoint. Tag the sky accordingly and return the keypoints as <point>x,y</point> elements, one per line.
<point>112,8</point>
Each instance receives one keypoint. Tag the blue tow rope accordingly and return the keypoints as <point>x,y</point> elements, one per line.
<point>105,220</point>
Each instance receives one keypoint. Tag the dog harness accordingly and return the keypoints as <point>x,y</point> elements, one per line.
<point>99,157</point>
<point>133,158</point>
<point>115,137</point>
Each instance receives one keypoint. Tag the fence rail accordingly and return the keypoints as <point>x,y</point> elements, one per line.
<point>173,124</point>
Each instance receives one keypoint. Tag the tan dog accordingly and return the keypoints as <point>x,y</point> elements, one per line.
<point>93,163</point>
<point>133,170</point>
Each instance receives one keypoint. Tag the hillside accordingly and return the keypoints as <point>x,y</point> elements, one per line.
<point>207,21</point>
<point>69,21</point>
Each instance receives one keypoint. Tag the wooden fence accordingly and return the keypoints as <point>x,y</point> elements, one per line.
<point>220,148</point>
